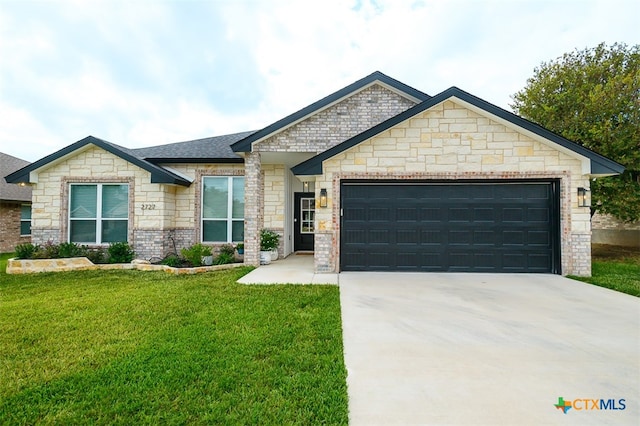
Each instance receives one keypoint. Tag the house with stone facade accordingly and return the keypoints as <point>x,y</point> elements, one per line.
<point>15,206</point>
<point>376,176</point>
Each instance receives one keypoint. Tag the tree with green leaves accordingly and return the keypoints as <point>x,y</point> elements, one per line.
<point>592,97</point>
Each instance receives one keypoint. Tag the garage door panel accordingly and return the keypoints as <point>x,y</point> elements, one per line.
<point>379,214</point>
<point>513,238</point>
<point>539,238</point>
<point>482,227</point>
<point>379,237</point>
<point>484,214</point>
<point>431,236</point>
<point>459,214</point>
<point>487,237</point>
<point>407,236</point>
<point>513,214</point>
<point>407,214</point>
<point>460,237</point>
<point>538,215</point>
<point>431,214</point>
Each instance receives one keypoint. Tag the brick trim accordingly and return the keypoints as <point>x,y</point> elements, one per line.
<point>64,202</point>
<point>566,249</point>
<point>197,211</point>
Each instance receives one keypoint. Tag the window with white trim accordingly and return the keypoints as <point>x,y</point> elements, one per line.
<point>25,220</point>
<point>222,209</point>
<point>98,213</point>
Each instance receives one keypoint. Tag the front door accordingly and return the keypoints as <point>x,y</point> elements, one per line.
<point>304,217</point>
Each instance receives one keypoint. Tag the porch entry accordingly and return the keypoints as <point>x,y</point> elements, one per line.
<point>304,216</point>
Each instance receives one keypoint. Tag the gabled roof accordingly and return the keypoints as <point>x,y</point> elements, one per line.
<point>158,174</point>
<point>9,191</point>
<point>599,164</point>
<point>216,149</point>
<point>245,144</point>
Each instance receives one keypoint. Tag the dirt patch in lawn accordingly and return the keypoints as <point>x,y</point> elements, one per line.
<point>620,253</point>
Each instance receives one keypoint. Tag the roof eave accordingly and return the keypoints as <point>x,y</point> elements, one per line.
<point>158,175</point>
<point>599,165</point>
<point>192,160</point>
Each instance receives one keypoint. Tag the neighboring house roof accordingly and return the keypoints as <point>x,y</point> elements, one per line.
<point>158,174</point>
<point>215,149</point>
<point>599,165</point>
<point>10,191</point>
<point>376,77</point>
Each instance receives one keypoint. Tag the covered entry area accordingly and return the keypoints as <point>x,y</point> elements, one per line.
<point>454,226</point>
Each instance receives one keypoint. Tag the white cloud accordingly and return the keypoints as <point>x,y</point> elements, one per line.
<point>145,73</point>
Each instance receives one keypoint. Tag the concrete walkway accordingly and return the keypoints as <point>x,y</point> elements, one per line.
<point>488,349</point>
<point>294,269</point>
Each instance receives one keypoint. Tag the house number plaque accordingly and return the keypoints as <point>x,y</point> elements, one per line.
<point>148,207</point>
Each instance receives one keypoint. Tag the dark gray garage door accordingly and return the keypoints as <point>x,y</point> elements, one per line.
<point>457,227</point>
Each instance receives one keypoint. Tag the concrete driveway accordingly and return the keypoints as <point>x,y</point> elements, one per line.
<point>488,349</point>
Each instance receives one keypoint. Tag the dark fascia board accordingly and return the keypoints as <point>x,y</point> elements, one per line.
<point>244,145</point>
<point>195,160</point>
<point>158,174</point>
<point>599,163</point>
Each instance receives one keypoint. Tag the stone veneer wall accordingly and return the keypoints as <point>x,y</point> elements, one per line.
<point>10,226</point>
<point>449,141</point>
<point>175,211</point>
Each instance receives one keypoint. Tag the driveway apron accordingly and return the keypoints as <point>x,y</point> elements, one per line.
<point>488,349</point>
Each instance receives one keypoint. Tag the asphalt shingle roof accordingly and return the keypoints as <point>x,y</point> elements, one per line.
<point>214,148</point>
<point>11,191</point>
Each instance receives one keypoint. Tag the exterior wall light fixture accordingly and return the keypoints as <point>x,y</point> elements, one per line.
<point>323,197</point>
<point>584,197</point>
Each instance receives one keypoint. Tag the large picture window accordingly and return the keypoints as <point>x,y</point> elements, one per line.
<point>98,213</point>
<point>222,209</point>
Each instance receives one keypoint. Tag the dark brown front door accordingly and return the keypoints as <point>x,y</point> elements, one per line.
<point>304,221</point>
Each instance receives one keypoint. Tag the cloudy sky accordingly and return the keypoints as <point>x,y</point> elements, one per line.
<point>143,72</point>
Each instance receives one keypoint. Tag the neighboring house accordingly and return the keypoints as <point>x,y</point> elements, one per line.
<point>15,206</point>
<point>376,176</point>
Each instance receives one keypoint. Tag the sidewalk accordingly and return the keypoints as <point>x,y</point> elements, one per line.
<point>294,269</point>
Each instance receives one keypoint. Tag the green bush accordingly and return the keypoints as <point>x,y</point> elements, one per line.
<point>96,255</point>
<point>195,253</point>
<point>120,253</point>
<point>71,250</point>
<point>48,250</point>
<point>224,258</point>
<point>172,260</point>
<point>269,240</point>
<point>228,249</point>
<point>26,251</point>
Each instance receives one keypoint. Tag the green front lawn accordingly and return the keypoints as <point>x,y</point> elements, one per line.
<point>617,268</point>
<point>129,347</point>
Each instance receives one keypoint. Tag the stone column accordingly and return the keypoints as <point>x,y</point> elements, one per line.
<point>253,212</point>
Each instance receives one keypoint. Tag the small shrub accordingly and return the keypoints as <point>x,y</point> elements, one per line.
<point>26,251</point>
<point>71,250</point>
<point>120,253</point>
<point>269,240</point>
<point>195,253</point>
<point>96,255</point>
<point>224,258</point>
<point>172,260</point>
<point>240,247</point>
<point>227,249</point>
<point>48,250</point>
